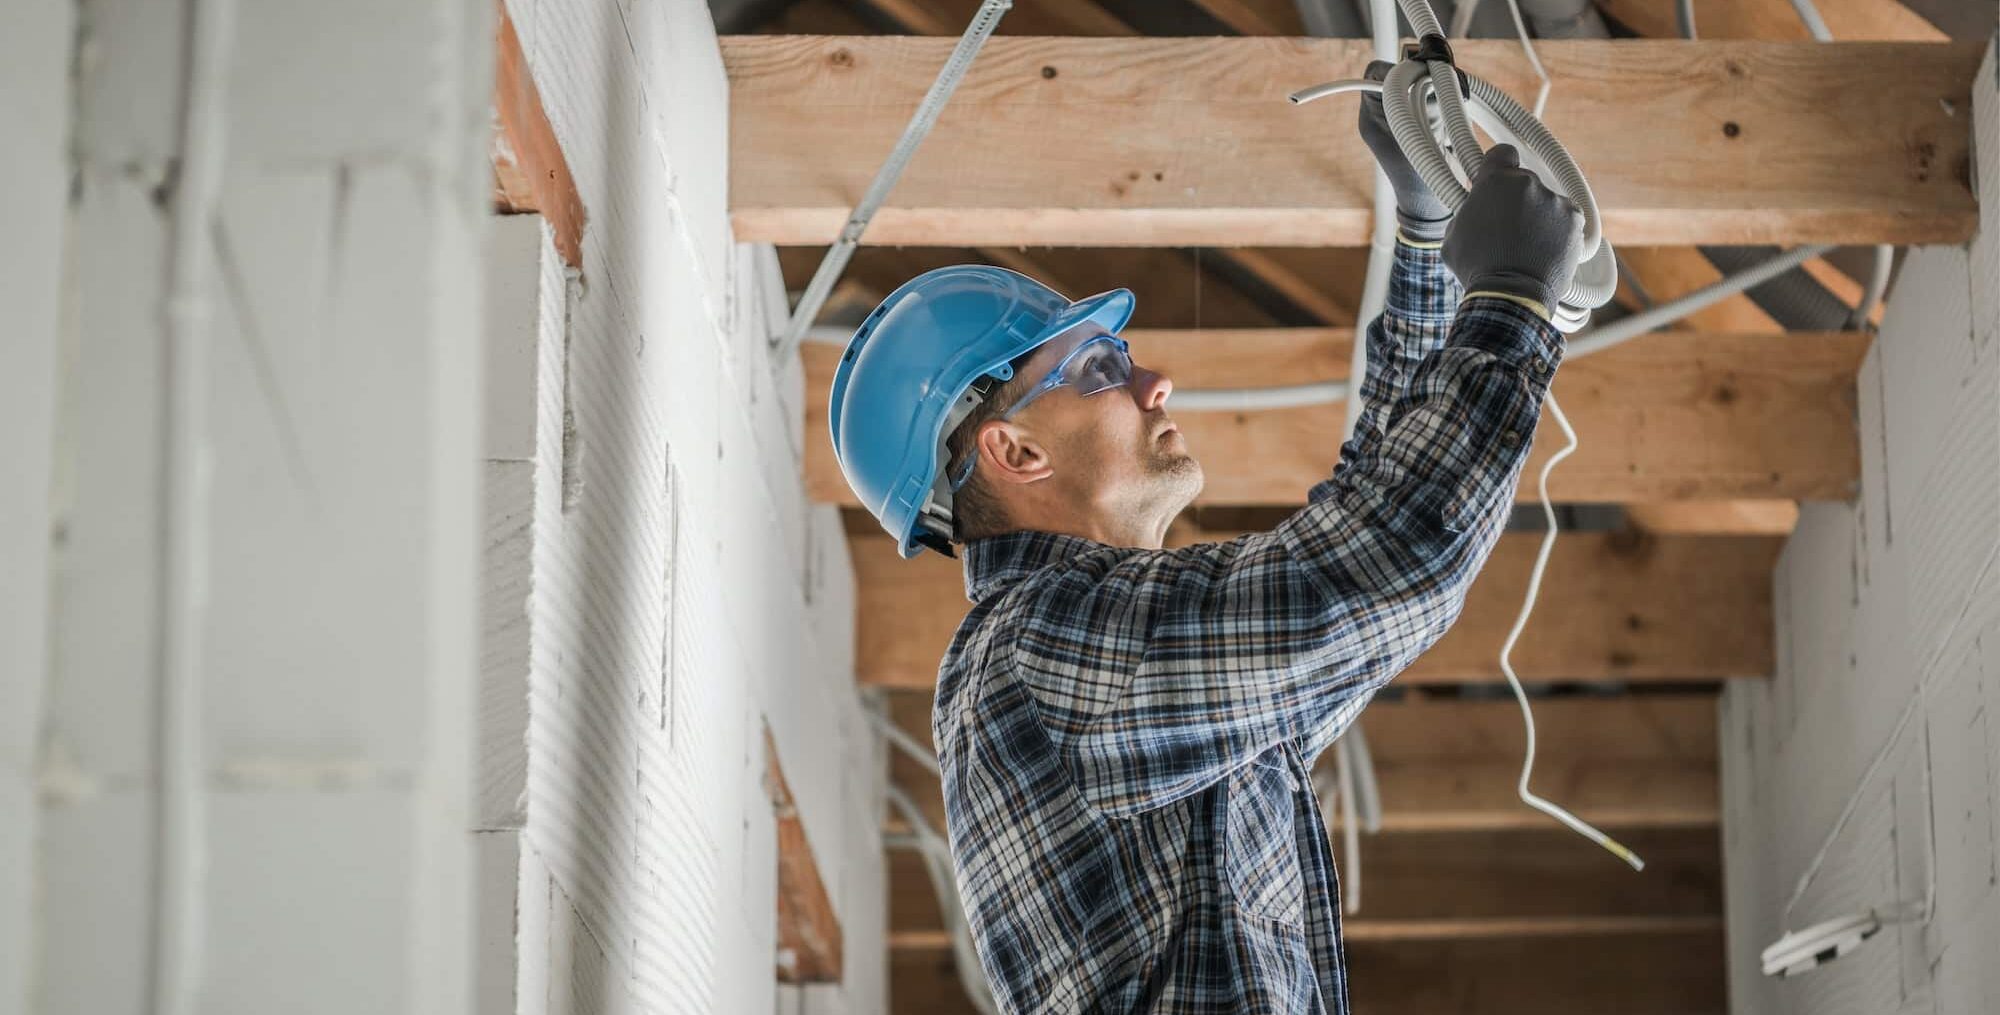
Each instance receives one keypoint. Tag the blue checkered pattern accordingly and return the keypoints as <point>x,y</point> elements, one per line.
<point>1126,735</point>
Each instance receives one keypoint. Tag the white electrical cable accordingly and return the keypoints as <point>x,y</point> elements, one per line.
<point>1382,229</point>
<point>1815,25</point>
<point>1542,552</point>
<point>936,854</point>
<point>903,741</point>
<point>1368,791</point>
<point>179,918</point>
<point>984,20</point>
<point>1911,707</point>
<point>1625,329</point>
<point>1350,823</point>
<point>1461,18</point>
<point>1527,795</point>
<point>1885,254</point>
<point>1594,340</point>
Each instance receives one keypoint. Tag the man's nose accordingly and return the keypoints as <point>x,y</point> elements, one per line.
<point>1149,389</point>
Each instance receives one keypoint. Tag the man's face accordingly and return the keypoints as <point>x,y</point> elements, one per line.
<point>1118,448</point>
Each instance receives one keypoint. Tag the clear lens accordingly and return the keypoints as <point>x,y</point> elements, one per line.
<point>1099,367</point>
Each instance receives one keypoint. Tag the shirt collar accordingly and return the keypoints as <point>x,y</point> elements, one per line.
<point>996,563</point>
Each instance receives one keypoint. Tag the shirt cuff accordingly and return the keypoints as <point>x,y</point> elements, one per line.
<point>1510,331</point>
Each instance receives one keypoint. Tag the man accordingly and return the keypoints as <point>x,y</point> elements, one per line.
<point>1126,731</point>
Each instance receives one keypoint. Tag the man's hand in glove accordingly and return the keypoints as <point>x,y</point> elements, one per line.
<point>1420,215</point>
<point>1514,237</point>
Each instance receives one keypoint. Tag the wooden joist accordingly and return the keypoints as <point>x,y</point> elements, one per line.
<point>809,936</point>
<point>1156,142</point>
<point>1613,607</point>
<point>1621,762</point>
<point>1743,517</point>
<point>1255,17</point>
<point>530,174</point>
<point>1676,973</point>
<point>1421,886</point>
<point>1672,416</point>
<point>1449,765</point>
<point>1468,928</point>
<point>1847,20</point>
<point>1668,973</point>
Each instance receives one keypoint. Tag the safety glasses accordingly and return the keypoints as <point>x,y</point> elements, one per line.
<point>1095,366</point>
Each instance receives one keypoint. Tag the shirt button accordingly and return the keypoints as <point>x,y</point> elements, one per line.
<point>1511,438</point>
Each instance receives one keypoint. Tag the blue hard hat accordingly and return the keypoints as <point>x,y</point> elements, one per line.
<point>920,364</point>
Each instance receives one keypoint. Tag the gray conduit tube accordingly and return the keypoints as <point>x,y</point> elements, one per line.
<point>1795,300</point>
<point>1382,238</point>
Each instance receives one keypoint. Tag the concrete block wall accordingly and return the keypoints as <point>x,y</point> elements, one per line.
<point>337,295</point>
<point>1875,743</point>
<point>682,593</point>
<point>34,75</point>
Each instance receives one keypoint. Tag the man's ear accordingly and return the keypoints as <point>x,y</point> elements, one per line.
<point>1011,455</point>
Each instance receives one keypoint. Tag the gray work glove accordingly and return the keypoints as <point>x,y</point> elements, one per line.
<point>1418,211</point>
<point>1513,235</point>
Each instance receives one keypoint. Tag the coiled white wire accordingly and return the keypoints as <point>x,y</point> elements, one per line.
<point>1402,93</point>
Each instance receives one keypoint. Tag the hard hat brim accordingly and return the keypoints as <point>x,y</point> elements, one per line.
<point>1109,310</point>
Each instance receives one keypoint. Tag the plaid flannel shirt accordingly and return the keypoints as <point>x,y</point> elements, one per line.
<point>1126,734</point>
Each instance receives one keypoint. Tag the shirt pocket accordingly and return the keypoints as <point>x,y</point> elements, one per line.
<point>1263,846</point>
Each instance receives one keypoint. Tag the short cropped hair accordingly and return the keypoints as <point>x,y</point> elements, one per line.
<point>976,512</point>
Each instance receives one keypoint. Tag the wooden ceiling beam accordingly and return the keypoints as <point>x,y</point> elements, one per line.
<point>1245,17</point>
<point>1847,20</point>
<point>1672,416</point>
<point>531,176</point>
<point>1633,974</point>
<point>1473,929</point>
<point>1695,517</point>
<point>1052,17</point>
<point>1449,764</point>
<point>1291,285</point>
<point>809,936</point>
<point>1548,881</point>
<point>1615,606</point>
<point>1158,142</point>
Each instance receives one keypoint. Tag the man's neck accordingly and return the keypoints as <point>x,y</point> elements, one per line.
<point>1108,528</point>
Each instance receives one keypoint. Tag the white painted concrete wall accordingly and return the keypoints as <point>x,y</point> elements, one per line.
<point>682,592</point>
<point>34,77</point>
<point>336,661</point>
<point>1886,699</point>
<point>484,711</point>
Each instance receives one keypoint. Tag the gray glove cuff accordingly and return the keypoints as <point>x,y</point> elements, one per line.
<point>1423,230</point>
<point>1515,283</point>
